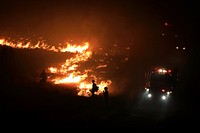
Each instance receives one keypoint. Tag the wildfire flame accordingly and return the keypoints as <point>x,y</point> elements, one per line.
<point>67,72</point>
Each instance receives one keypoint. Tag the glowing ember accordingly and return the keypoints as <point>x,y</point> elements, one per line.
<point>67,72</point>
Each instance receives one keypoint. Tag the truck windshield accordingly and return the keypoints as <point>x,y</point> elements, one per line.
<point>159,81</point>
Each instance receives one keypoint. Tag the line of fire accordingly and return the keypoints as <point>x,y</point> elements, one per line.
<point>72,71</point>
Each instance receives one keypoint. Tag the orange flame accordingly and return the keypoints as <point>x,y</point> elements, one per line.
<point>67,72</point>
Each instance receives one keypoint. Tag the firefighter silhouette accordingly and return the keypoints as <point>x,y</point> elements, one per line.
<point>95,88</point>
<point>105,94</point>
<point>43,77</point>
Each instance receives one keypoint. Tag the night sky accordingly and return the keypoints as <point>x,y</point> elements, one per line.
<point>102,20</point>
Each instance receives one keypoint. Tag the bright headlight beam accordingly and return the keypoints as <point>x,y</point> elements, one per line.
<point>149,95</point>
<point>163,97</point>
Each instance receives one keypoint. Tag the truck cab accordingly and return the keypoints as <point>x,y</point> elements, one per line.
<point>160,82</point>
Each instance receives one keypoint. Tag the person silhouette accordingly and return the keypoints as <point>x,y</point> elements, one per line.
<point>43,77</point>
<point>106,94</point>
<point>94,88</point>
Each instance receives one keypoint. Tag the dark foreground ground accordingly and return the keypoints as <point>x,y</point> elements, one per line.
<point>31,107</point>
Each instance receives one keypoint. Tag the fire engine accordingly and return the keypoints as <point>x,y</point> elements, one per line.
<point>160,82</point>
